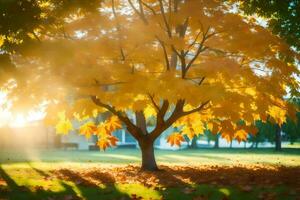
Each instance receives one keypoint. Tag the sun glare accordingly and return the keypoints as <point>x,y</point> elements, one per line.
<point>18,119</point>
<point>2,97</point>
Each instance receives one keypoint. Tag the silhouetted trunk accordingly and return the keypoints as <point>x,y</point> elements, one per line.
<point>278,138</point>
<point>193,143</point>
<point>148,157</point>
<point>216,146</point>
<point>256,144</point>
<point>230,146</point>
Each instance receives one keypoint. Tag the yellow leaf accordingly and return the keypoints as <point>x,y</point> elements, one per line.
<point>102,130</point>
<point>277,114</point>
<point>189,132</point>
<point>113,123</point>
<point>63,127</point>
<point>241,135</point>
<point>149,111</point>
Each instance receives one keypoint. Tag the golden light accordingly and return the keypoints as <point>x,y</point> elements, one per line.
<point>16,120</point>
<point>19,121</point>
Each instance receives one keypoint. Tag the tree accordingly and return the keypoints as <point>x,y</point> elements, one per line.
<point>266,132</point>
<point>187,64</point>
<point>212,136</point>
<point>292,127</point>
<point>282,16</point>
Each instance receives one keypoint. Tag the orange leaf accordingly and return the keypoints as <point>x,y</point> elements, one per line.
<point>175,139</point>
<point>103,144</point>
<point>107,141</point>
<point>113,123</point>
<point>88,129</point>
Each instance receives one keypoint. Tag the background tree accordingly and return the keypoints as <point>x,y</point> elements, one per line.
<point>184,63</point>
<point>266,133</point>
<point>212,137</point>
<point>292,127</point>
<point>282,16</point>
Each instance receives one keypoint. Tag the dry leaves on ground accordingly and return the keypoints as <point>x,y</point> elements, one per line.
<point>244,176</point>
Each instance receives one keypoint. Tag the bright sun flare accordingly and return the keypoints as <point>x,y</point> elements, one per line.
<point>19,119</point>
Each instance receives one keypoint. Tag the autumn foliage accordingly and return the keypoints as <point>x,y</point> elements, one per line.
<point>193,65</point>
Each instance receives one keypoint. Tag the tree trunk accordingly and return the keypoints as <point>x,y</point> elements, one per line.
<point>278,138</point>
<point>216,146</point>
<point>148,157</point>
<point>193,143</point>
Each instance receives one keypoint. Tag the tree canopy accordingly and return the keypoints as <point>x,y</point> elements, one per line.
<point>191,64</point>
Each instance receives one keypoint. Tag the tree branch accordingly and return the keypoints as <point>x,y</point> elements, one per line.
<point>165,18</point>
<point>201,107</point>
<point>176,114</point>
<point>149,7</point>
<point>200,49</point>
<point>123,57</point>
<point>151,97</point>
<point>165,52</point>
<point>134,130</point>
<point>162,124</point>
<point>140,14</point>
<point>193,43</point>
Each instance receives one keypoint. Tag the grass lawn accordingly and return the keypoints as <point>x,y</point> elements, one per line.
<point>114,174</point>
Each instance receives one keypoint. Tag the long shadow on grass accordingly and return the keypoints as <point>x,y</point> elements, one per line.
<point>15,192</point>
<point>91,191</point>
<point>40,172</point>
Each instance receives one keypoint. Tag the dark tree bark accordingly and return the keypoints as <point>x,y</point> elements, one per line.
<point>148,157</point>
<point>146,143</point>
<point>278,138</point>
<point>141,122</point>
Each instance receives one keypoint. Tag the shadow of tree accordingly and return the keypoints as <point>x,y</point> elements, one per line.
<point>184,176</point>
<point>15,192</point>
<point>40,172</point>
<point>204,182</point>
<point>101,177</point>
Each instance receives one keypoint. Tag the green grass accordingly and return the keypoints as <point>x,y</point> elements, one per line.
<point>24,173</point>
<point>289,157</point>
